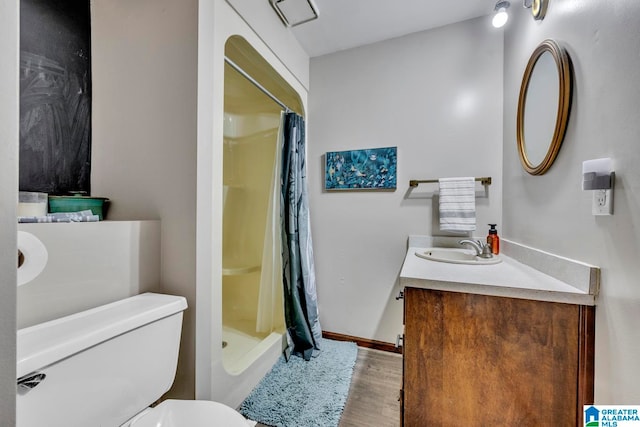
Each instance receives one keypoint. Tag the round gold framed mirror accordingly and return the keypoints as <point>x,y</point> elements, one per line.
<point>543,107</point>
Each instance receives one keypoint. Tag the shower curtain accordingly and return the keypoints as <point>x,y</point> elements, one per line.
<point>299,279</point>
<point>270,296</point>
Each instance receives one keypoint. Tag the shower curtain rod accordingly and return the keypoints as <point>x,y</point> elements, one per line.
<point>246,75</point>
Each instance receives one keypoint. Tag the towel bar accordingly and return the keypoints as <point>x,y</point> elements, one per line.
<point>485,180</point>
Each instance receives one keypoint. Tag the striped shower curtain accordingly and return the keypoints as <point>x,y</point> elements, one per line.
<point>299,278</point>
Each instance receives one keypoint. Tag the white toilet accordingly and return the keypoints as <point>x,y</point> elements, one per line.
<point>103,368</point>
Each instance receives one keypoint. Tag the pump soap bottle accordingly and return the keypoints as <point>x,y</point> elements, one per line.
<point>493,239</point>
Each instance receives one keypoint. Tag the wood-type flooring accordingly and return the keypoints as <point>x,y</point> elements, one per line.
<point>374,391</point>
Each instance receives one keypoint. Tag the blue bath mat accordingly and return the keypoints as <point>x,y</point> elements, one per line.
<point>301,393</point>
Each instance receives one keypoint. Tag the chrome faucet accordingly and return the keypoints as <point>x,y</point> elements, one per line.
<point>483,250</point>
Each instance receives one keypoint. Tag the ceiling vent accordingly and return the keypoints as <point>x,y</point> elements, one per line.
<point>295,12</point>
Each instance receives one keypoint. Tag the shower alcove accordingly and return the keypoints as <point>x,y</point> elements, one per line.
<point>237,136</point>
<point>252,305</point>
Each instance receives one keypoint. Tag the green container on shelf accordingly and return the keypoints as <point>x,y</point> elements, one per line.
<point>79,203</point>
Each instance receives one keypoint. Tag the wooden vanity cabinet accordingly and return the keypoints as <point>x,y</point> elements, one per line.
<point>477,360</point>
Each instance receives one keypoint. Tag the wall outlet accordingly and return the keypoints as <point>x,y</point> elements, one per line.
<point>602,202</point>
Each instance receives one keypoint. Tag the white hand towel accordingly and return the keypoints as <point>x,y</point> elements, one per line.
<point>457,204</point>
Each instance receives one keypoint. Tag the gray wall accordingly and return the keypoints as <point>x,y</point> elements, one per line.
<point>144,136</point>
<point>9,48</point>
<point>437,96</point>
<point>144,146</point>
<point>551,212</point>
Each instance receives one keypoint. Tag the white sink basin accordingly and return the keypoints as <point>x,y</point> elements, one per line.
<point>456,256</point>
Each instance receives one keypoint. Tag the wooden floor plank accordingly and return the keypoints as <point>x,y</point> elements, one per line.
<point>373,396</point>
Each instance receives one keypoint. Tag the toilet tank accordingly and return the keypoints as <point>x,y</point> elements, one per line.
<point>100,367</point>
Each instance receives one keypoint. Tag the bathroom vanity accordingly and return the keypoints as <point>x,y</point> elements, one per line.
<point>501,344</point>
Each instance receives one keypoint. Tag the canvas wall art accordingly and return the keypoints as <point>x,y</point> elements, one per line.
<point>369,169</point>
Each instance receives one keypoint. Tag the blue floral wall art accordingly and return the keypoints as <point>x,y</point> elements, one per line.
<point>370,169</point>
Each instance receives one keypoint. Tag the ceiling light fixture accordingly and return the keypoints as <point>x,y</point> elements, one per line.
<point>501,17</point>
<point>295,12</point>
<point>538,8</point>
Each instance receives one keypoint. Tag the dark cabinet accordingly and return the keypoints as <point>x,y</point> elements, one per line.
<point>484,360</point>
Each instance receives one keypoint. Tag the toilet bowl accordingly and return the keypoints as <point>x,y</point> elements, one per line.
<point>189,413</point>
<point>106,366</point>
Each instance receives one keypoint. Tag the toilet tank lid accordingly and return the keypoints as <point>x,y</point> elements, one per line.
<point>41,345</point>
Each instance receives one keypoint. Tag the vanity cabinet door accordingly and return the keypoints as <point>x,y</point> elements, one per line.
<point>483,360</point>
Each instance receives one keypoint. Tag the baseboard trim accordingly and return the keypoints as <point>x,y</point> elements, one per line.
<point>363,342</point>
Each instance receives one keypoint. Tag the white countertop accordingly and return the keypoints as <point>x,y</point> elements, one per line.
<point>509,278</point>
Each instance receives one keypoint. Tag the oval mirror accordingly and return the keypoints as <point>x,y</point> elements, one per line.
<point>543,107</point>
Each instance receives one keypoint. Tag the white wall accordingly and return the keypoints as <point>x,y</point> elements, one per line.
<point>437,96</point>
<point>216,23</point>
<point>9,66</point>
<point>89,264</point>
<point>144,56</point>
<point>261,17</point>
<point>551,212</point>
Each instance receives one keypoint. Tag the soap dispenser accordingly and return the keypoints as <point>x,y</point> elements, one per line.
<point>493,239</point>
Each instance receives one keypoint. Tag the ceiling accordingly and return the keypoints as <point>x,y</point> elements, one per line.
<point>344,24</point>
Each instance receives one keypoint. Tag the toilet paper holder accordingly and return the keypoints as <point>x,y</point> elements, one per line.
<point>32,257</point>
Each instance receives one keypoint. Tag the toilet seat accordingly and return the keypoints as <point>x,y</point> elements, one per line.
<point>190,413</point>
